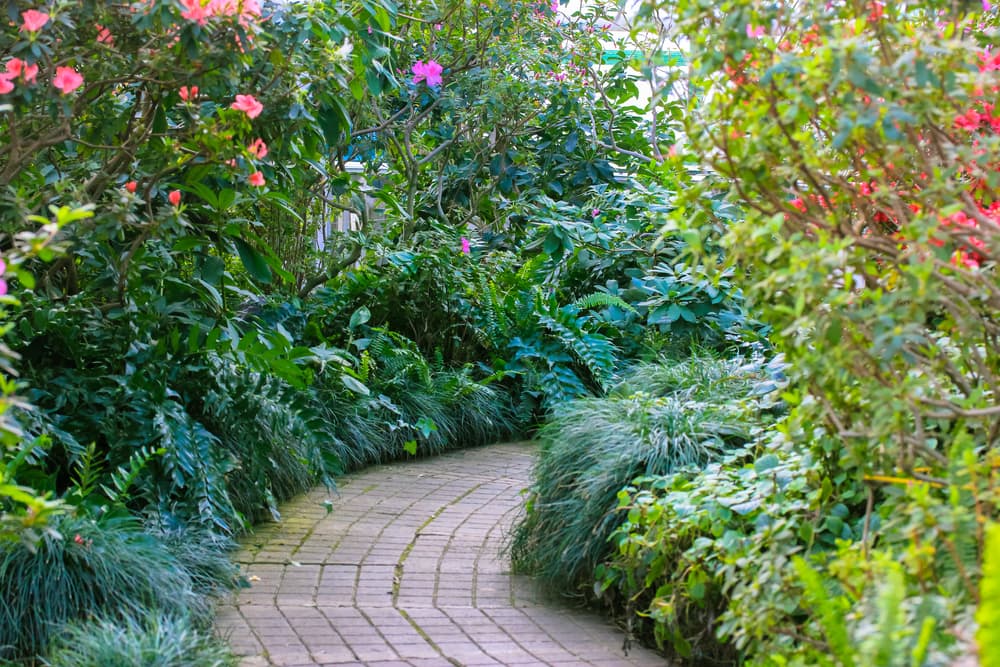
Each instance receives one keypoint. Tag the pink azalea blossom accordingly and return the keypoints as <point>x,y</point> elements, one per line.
<point>67,80</point>
<point>5,85</point>
<point>104,35</point>
<point>256,179</point>
<point>18,68</point>
<point>466,246</point>
<point>34,20</point>
<point>244,10</point>
<point>175,198</point>
<point>555,6</point>
<point>596,212</point>
<point>429,72</point>
<point>755,32</point>
<point>194,11</point>
<point>990,62</point>
<point>249,105</point>
<point>258,149</point>
<point>3,287</point>
<point>187,94</point>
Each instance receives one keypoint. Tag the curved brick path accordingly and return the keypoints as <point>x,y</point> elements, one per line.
<point>405,570</point>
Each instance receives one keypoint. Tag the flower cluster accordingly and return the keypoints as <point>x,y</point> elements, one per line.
<point>66,79</point>
<point>201,12</point>
<point>429,73</point>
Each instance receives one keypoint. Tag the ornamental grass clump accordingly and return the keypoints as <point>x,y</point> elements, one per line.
<point>594,447</point>
<point>149,641</point>
<point>83,568</point>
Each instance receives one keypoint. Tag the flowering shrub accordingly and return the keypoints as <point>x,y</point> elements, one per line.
<point>861,140</point>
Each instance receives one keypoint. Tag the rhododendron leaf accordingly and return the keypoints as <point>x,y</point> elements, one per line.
<point>212,269</point>
<point>334,121</point>
<point>253,261</point>
<point>278,269</point>
<point>227,198</point>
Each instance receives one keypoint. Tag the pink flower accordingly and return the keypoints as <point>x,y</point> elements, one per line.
<point>14,67</point>
<point>175,198</point>
<point>131,186</point>
<point>194,11</point>
<point>29,72</point>
<point>34,20</point>
<point>188,94</point>
<point>67,80</point>
<point>3,287</point>
<point>438,26</point>
<point>5,85</point>
<point>466,246</point>
<point>258,149</point>
<point>969,120</point>
<point>987,6</point>
<point>104,35</point>
<point>429,72</point>
<point>596,212</point>
<point>3,267</point>
<point>755,32</point>
<point>245,10</point>
<point>554,6</point>
<point>256,179</point>
<point>249,105</point>
<point>990,63</point>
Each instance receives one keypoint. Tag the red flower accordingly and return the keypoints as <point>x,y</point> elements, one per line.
<point>969,120</point>
<point>175,198</point>
<point>131,186</point>
<point>256,179</point>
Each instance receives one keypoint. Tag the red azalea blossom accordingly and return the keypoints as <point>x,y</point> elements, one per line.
<point>256,179</point>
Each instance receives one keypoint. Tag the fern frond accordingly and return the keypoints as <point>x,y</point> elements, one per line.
<point>603,300</point>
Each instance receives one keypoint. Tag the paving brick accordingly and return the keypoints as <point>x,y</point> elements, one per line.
<point>407,570</point>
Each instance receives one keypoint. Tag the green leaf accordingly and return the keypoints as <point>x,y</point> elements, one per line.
<point>359,317</point>
<point>411,447</point>
<point>765,463</point>
<point>354,384</point>
<point>253,261</point>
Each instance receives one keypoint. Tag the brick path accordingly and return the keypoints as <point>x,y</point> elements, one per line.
<point>406,570</point>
